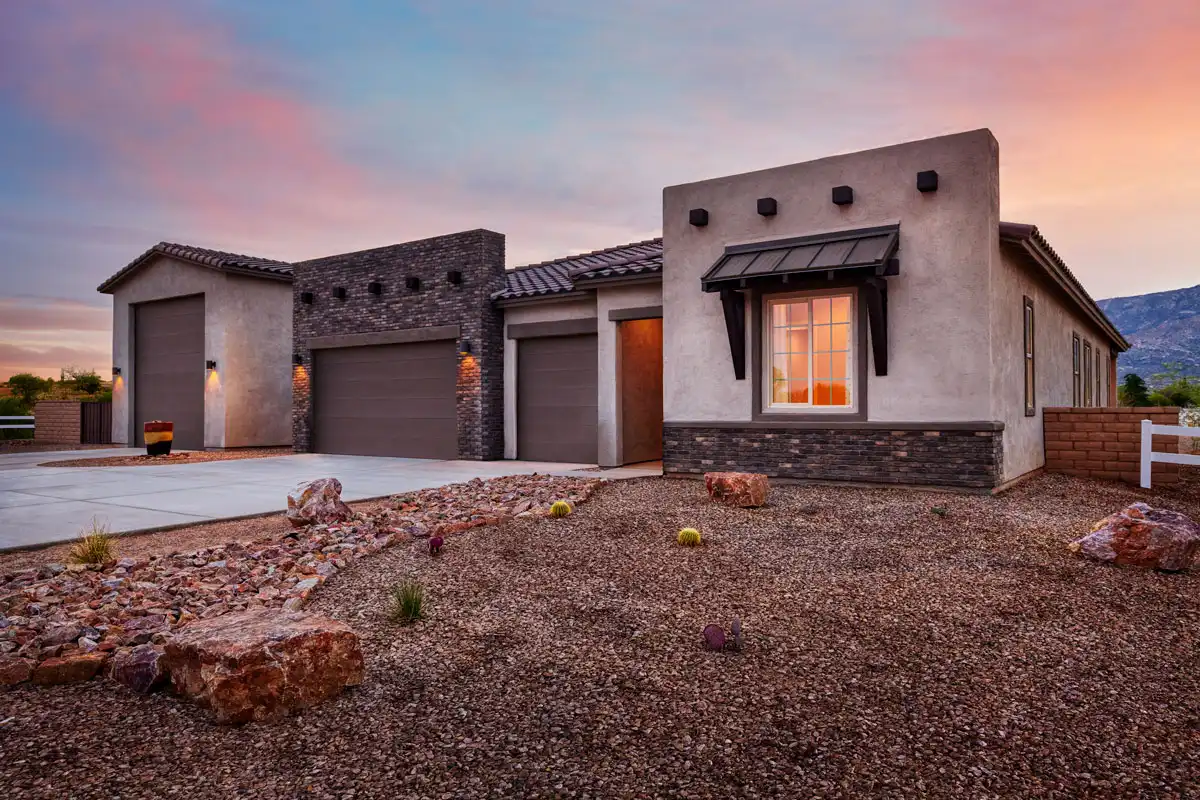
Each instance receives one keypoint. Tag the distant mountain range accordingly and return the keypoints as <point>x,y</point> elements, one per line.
<point>1162,327</point>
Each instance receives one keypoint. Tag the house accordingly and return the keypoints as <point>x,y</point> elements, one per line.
<point>202,338</point>
<point>863,317</point>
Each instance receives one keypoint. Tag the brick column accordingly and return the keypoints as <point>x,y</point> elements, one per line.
<point>57,422</point>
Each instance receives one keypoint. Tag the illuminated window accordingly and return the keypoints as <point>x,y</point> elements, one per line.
<point>809,347</point>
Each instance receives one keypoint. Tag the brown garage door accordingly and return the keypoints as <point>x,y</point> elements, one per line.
<point>386,400</point>
<point>556,399</point>
<point>168,372</point>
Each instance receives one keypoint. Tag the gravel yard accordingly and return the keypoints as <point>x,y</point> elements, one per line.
<point>889,652</point>
<point>189,457</point>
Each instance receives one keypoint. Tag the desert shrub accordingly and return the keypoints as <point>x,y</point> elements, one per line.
<point>689,537</point>
<point>408,601</point>
<point>95,545</point>
<point>560,509</point>
<point>28,388</point>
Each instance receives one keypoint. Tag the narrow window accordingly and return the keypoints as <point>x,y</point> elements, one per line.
<point>1076,378</point>
<point>1099,373</point>
<point>1087,373</point>
<point>1030,401</point>
<point>810,352</point>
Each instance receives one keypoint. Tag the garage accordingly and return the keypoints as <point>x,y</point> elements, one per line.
<point>557,399</point>
<point>169,368</point>
<point>386,400</point>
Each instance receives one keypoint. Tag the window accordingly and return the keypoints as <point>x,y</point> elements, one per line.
<point>810,352</point>
<point>1076,376</point>
<point>1087,373</point>
<point>1099,372</point>
<point>1030,398</point>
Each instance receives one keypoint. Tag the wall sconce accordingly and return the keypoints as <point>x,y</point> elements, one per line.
<point>454,276</point>
<point>412,282</point>
<point>843,195</point>
<point>698,217</point>
<point>306,298</point>
<point>339,292</point>
<point>767,206</point>
<point>210,364</point>
<point>375,287</point>
<point>465,347</point>
<point>116,372</point>
<point>927,181</point>
<point>297,360</point>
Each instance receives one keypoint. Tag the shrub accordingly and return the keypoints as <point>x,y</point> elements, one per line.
<point>560,508</point>
<point>408,601</point>
<point>12,407</point>
<point>28,388</point>
<point>95,545</point>
<point>689,537</point>
<point>940,511</point>
<point>1133,391</point>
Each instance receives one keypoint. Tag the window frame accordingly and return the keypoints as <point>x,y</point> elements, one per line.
<point>1087,374</point>
<point>1076,370</point>
<point>1099,395</point>
<point>769,405</point>
<point>1029,356</point>
<point>760,410</point>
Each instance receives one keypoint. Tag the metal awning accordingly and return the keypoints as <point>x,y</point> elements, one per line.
<point>866,251</point>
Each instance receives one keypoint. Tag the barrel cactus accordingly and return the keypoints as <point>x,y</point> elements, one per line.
<point>560,508</point>
<point>689,537</point>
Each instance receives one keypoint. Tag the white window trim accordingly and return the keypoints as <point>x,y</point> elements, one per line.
<point>769,407</point>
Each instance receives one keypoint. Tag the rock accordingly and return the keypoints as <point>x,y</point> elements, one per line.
<point>75,668</point>
<point>317,503</point>
<point>1141,536</point>
<point>14,670</point>
<point>61,635</point>
<point>140,668</point>
<point>738,489</point>
<point>260,665</point>
<point>714,637</point>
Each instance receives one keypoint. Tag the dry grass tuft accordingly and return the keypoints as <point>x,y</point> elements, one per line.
<point>95,546</point>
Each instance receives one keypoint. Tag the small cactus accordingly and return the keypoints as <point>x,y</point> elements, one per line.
<point>736,630</point>
<point>689,537</point>
<point>435,545</point>
<point>941,512</point>
<point>560,508</point>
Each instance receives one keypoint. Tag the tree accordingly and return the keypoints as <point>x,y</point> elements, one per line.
<point>1173,388</point>
<point>27,388</point>
<point>1133,391</point>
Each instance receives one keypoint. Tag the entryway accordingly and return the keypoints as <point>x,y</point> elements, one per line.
<point>641,389</point>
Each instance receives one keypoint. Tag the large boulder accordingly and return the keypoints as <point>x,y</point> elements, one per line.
<point>317,503</point>
<point>260,665</point>
<point>1141,536</point>
<point>738,489</point>
<point>74,668</point>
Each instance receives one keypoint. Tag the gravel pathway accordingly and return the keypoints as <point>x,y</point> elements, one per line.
<point>890,652</point>
<point>189,457</point>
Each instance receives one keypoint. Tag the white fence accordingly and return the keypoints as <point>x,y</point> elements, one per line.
<point>1149,456</point>
<point>28,427</point>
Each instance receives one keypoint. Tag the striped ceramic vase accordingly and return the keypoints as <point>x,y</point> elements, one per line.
<point>159,436</point>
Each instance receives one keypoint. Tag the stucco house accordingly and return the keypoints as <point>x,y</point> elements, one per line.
<point>863,317</point>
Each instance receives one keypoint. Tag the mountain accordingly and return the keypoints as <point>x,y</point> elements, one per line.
<point>1162,327</point>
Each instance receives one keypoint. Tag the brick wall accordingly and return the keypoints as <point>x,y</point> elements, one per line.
<point>56,422</point>
<point>935,457</point>
<point>479,255</point>
<point>1106,442</point>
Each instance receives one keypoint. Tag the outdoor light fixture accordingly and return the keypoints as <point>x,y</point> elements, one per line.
<point>210,364</point>
<point>454,276</point>
<point>116,372</point>
<point>843,195</point>
<point>412,282</point>
<point>297,359</point>
<point>339,292</point>
<point>375,287</point>
<point>927,181</point>
<point>306,298</point>
<point>698,217</point>
<point>767,207</point>
<point>465,349</point>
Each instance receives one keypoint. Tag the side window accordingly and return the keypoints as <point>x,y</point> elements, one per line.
<point>1087,373</point>
<point>1076,379</point>
<point>1030,396</point>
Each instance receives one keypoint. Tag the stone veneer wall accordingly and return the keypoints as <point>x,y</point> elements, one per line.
<point>57,422</point>
<point>1106,442</point>
<point>970,458</point>
<point>479,255</point>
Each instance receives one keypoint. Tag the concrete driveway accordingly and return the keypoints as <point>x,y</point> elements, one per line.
<point>42,505</point>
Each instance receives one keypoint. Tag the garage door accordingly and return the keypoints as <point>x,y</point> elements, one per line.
<point>556,399</point>
<point>386,400</point>
<point>168,372</point>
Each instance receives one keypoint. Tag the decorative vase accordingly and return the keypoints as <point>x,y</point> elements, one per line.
<point>159,436</point>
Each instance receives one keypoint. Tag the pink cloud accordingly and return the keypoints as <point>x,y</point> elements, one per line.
<point>52,315</point>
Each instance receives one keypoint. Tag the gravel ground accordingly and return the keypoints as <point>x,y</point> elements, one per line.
<point>889,652</point>
<point>32,446</point>
<point>189,457</point>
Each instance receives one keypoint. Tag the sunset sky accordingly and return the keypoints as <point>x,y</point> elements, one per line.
<point>298,128</point>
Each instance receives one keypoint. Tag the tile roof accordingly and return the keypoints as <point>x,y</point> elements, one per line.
<point>217,259</point>
<point>562,275</point>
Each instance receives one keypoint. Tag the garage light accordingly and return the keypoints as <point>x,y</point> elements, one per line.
<point>297,360</point>
<point>210,364</point>
<point>465,349</point>
<point>116,372</point>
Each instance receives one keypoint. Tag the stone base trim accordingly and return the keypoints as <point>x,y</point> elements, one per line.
<point>931,456</point>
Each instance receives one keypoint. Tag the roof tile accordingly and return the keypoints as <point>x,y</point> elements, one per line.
<point>561,275</point>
